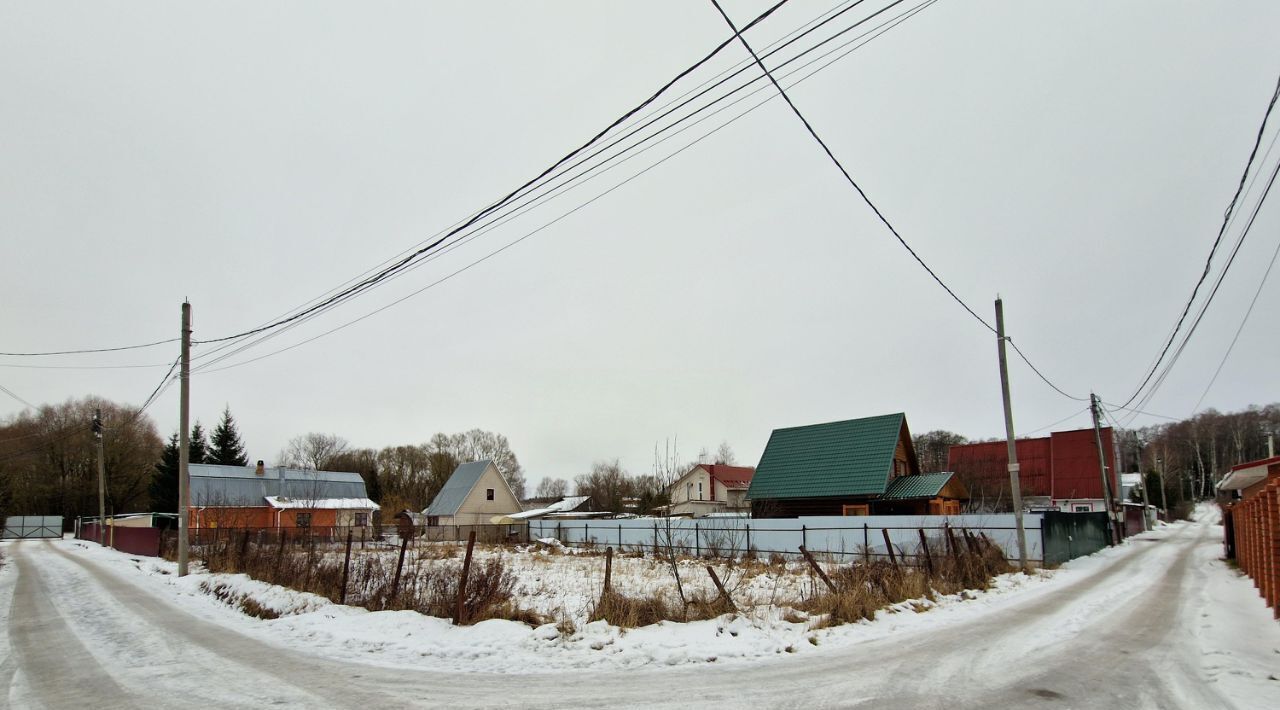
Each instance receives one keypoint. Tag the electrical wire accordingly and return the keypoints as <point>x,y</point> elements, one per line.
<point>1226,219</point>
<point>93,350</point>
<point>1040,374</point>
<point>1069,417</point>
<point>11,393</point>
<point>1239,330</point>
<point>843,171</point>
<point>848,47</point>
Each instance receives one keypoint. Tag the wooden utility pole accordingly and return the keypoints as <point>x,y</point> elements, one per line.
<point>1112,531</point>
<point>1164,503</point>
<point>184,440</point>
<point>1015,487</point>
<point>102,477</point>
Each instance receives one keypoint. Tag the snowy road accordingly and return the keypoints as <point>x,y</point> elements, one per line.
<point>1137,631</point>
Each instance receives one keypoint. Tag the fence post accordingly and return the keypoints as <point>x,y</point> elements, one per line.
<point>747,552</point>
<point>953,547</point>
<point>608,569</point>
<point>804,536</point>
<point>724,594</point>
<point>924,548</point>
<point>346,565</point>
<point>888,544</point>
<point>655,539</point>
<point>395,585</point>
<point>697,541</point>
<point>866,544</point>
<point>462,583</point>
<point>817,568</point>
<point>586,533</point>
<point>619,537</point>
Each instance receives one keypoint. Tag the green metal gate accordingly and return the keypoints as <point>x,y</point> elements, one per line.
<point>1071,535</point>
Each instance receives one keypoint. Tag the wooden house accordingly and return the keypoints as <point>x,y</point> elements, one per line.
<point>473,495</point>
<point>862,466</point>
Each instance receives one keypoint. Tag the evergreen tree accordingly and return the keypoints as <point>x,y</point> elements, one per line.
<point>198,446</point>
<point>164,486</point>
<point>226,448</point>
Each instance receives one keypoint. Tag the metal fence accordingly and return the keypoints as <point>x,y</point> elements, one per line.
<point>362,536</point>
<point>839,538</point>
<point>29,527</point>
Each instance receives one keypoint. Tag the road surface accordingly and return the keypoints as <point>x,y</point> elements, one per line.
<point>82,634</point>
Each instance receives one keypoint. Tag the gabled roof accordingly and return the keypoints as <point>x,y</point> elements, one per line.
<point>924,485</point>
<point>321,503</point>
<point>214,485</point>
<point>465,477</point>
<point>847,458</point>
<point>733,477</point>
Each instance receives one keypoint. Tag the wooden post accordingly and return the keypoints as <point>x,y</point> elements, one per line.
<point>888,544</point>
<point>817,568</point>
<point>244,546</point>
<point>924,548</point>
<point>346,565</point>
<point>972,543</point>
<point>395,584</point>
<point>724,594</point>
<point>952,547</point>
<point>462,582</point>
<point>608,569</point>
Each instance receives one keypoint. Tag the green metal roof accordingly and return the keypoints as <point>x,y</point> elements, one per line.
<point>925,485</point>
<point>849,458</point>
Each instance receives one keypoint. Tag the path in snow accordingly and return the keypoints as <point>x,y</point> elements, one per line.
<point>1127,634</point>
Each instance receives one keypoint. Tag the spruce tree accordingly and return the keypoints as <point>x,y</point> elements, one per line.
<point>226,448</point>
<point>164,486</point>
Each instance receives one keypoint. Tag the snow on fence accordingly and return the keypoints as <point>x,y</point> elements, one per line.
<point>843,538</point>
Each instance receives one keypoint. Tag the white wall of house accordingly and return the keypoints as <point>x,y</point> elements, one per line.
<point>489,497</point>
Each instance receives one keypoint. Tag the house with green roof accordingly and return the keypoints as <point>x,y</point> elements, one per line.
<point>862,466</point>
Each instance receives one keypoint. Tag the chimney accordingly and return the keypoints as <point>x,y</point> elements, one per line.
<point>261,468</point>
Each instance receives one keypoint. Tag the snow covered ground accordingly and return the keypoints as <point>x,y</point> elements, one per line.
<point>1161,620</point>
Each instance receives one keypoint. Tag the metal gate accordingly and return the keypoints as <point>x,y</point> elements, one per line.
<point>1071,535</point>
<point>27,527</point>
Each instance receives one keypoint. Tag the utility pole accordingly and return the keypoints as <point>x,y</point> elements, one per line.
<point>1164,504</point>
<point>1102,464</point>
<point>1015,487</point>
<point>102,477</point>
<point>1142,486</point>
<point>184,440</point>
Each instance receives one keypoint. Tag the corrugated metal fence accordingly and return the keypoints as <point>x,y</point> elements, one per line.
<point>27,527</point>
<point>841,538</point>
<point>1255,524</point>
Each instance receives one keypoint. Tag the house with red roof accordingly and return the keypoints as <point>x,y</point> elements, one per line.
<point>711,488</point>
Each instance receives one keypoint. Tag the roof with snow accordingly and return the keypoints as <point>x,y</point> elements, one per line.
<point>214,485</point>
<point>564,506</point>
<point>321,503</point>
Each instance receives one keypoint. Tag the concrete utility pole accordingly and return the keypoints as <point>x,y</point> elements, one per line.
<point>1015,486</point>
<point>102,477</point>
<point>184,440</point>
<point>1102,464</point>
<point>1142,486</point>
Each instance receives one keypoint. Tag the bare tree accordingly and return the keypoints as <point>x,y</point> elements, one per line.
<point>724,454</point>
<point>313,451</point>
<point>478,444</point>
<point>552,488</point>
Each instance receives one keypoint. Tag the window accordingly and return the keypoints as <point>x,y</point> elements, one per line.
<point>304,520</point>
<point>856,509</point>
<point>362,520</point>
<point>688,491</point>
<point>488,494</point>
<point>1084,509</point>
<point>899,467</point>
<point>699,490</point>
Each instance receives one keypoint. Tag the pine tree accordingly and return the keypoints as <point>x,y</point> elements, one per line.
<point>226,448</point>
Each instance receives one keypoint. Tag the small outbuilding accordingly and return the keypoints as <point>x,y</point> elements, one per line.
<point>473,495</point>
<point>862,466</point>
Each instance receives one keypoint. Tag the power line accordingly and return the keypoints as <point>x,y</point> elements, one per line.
<point>10,392</point>
<point>869,36</point>
<point>845,172</point>
<point>1069,417</point>
<point>384,273</point>
<point>92,350</point>
<point>1226,219</point>
<point>1239,330</point>
<point>1040,374</point>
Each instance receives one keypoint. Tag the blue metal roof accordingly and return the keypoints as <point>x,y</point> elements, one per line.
<point>450,498</point>
<point>213,485</point>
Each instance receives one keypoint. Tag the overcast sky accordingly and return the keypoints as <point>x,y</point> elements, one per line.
<point>1074,157</point>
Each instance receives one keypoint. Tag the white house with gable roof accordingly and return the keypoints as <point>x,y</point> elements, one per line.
<point>473,495</point>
